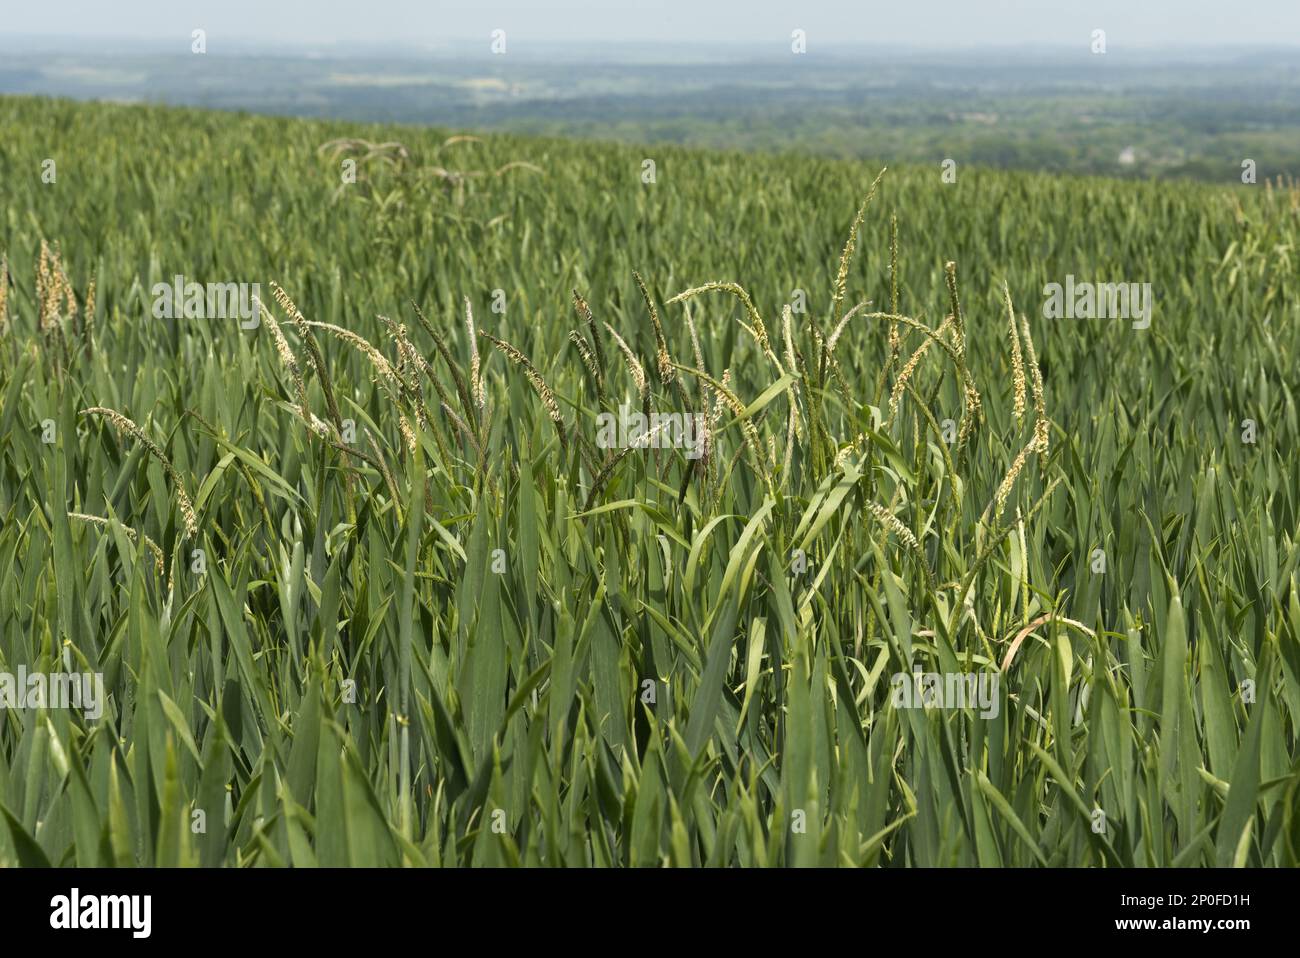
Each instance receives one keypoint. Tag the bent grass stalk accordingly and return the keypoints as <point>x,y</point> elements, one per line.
<point>128,428</point>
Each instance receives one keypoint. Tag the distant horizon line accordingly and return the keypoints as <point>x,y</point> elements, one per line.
<point>476,46</point>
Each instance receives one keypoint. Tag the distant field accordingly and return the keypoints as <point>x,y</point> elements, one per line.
<point>1128,113</point>
<point>379,593</point>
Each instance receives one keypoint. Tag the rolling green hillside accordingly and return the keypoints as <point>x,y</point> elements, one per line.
<point>374,591</point>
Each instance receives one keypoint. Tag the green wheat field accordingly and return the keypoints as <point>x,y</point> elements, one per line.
<point>365,587</point>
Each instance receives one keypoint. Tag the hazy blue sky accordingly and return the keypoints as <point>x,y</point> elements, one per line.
<point>1128,23</point>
